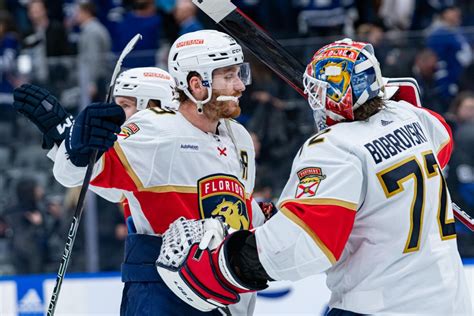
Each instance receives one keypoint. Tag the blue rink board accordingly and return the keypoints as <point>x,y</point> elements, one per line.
<point>30,299</point>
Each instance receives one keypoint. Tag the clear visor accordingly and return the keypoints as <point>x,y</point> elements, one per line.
<point>316,91</point>
<point>234,76</point>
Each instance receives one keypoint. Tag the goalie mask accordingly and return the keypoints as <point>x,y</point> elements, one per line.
<point>147,83</point>
<point>341,77</point>
<point>203,52</point>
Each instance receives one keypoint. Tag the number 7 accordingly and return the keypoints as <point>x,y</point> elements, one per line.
<point>392,180</point>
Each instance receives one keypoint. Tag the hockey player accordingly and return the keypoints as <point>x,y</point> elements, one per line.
<point>366,202</point>
<point>195,162</point>
<point>137,89</point>
<point>134,90</point>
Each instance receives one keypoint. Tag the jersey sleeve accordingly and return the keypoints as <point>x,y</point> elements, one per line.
<point>125,166</point>
<point>317,212</point>
<point>66,173</point>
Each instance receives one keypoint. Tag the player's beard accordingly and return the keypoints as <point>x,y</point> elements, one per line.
<point>216,110</point>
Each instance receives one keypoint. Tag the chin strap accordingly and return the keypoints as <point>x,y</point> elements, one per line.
<point>199,106</point>
<point>200,103</point>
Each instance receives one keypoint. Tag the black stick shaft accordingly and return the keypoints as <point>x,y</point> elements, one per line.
<point>265,48</point>
<point>71,236</point>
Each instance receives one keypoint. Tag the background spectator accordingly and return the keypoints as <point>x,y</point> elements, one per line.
<point>397,15</point>
<point>185,15</point>
<point>424,71</point>
<point>446,39</point>
<point>56,228</point>
<point>142,19</point>
<point>461,166</point>
<point>94,45</point>
<point>9,48</point>
<point>26,219</point>
<point>322,18</point>
<point>47,38</point>
<point>6,266</point>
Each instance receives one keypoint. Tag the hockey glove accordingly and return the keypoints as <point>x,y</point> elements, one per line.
<point>194,270</point>
<point>44,110</point>
<point>94,128</point>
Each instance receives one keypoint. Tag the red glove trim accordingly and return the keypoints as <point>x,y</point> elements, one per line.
<point>202,276</point>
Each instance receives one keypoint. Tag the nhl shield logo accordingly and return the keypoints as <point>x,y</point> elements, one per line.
<point>223,196</point>
<point>309,181</point>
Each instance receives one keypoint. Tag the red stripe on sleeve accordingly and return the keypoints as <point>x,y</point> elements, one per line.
<point>445,153</point>
<point>114,174</point>
<point>332,224</point>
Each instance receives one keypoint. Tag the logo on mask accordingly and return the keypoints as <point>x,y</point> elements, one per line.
<point>223,196</point>
<point>336,74</point>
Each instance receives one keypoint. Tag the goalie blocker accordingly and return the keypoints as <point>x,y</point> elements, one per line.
<point>205,270</point>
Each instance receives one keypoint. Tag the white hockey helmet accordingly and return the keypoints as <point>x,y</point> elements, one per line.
<point>203,52</point>
<point>144,84</point>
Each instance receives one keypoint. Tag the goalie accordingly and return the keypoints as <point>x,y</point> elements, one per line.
<point>366,202</point>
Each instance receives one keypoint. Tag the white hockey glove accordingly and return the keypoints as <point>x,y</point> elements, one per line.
<point>193,264</point>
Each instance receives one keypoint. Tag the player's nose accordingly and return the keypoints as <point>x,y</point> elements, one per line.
<point>239,85</point>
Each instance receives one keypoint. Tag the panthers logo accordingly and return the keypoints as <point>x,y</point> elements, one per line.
<point>224,196</point>
<point>129,130</point>
<point>232,213</point>
<point>310,178</point>
<point>338,77</point>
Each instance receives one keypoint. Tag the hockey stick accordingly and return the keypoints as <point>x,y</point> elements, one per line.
<point>255,39</point>
<point>72,233</point>
<point>271,53</point>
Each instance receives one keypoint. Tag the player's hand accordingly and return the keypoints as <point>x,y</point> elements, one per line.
<point>44,110</point>
<point>193,270</point>
<point>94,128</point>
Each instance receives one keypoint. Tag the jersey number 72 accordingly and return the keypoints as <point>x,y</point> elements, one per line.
<point>392,180</point>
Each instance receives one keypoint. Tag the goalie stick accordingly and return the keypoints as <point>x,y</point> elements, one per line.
<point>72,232</point>
<point>271,53</point>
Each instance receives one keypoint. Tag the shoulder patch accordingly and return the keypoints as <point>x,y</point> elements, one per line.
<point>128,130</point>
<point>310,178</point>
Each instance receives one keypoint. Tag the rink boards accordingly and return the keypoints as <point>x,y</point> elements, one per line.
<point>99,294</point>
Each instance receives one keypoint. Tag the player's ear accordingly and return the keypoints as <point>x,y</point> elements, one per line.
<point>196,87</point>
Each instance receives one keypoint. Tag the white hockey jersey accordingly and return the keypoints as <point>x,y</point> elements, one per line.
<point>166,167</point>
<point>367,203</point>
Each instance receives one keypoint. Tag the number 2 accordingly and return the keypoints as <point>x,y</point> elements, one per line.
<point>392,180</point>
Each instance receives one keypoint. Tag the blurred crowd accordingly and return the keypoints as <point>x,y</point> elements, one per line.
<point>70,48</point>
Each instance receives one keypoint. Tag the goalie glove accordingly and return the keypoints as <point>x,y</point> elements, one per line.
<point>195,270</point>
<point>44,110</point>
